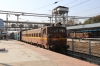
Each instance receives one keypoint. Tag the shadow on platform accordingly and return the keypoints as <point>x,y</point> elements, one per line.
<point>3,64</point>
<point>8,39</point>
<point>3,51</point>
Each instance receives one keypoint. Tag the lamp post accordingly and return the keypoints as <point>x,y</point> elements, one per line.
<point>17,17</point>
<point>7,26</point>
<point>27,27</point>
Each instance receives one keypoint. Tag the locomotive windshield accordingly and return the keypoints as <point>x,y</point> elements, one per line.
<point>53,29</point>
<point>62,30</point>
<point>57,30</point>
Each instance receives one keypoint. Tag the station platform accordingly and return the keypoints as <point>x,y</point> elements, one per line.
<point>22,54</point>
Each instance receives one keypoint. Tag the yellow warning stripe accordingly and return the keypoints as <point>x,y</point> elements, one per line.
<point>45,38</point>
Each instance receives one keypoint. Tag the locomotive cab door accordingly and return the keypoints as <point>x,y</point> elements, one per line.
<point>44,37</point>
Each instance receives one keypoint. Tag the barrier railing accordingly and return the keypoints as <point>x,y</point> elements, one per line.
<point>89,49</point>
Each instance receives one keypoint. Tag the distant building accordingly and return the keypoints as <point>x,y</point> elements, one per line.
<point>0,33</point>
<point>1,27</point>
<point>1,24</point>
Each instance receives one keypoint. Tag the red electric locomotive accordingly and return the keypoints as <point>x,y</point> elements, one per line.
<point>49,37</point>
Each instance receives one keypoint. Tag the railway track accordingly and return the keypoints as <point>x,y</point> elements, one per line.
<point>85,57</point>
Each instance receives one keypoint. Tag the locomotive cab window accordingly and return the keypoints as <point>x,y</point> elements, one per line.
<point>53,29</point>
<point>57,30</point>
<point>62,30</point>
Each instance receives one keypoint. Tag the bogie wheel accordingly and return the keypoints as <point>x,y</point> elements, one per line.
<point>37,45</point>
<point>43,47</point>
<point>64,50</point>
<point>49,48</point>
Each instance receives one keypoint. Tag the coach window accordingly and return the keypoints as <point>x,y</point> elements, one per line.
<point>40,34</point>
<point>29,35</point>
<point>32,34</point>
<point>36,34</point>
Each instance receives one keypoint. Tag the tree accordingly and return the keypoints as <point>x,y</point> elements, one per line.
<point>95,19</point>
<point>88,21</point>
<point>70,22</point>
<point>80,23</point>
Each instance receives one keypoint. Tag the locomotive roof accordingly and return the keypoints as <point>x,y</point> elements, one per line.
<point>39,29</point>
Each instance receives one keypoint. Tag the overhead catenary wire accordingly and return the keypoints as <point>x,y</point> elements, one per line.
<point>70,2</point>
<point>87,10</point>
<point>79,4</point>
<point>94,14</point>
<point>67,4</point>
<point>47,5</point>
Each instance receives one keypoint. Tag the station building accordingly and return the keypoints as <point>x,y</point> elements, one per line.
<point>1,27</point>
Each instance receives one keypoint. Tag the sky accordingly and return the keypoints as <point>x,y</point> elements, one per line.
<point>84,8</point>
